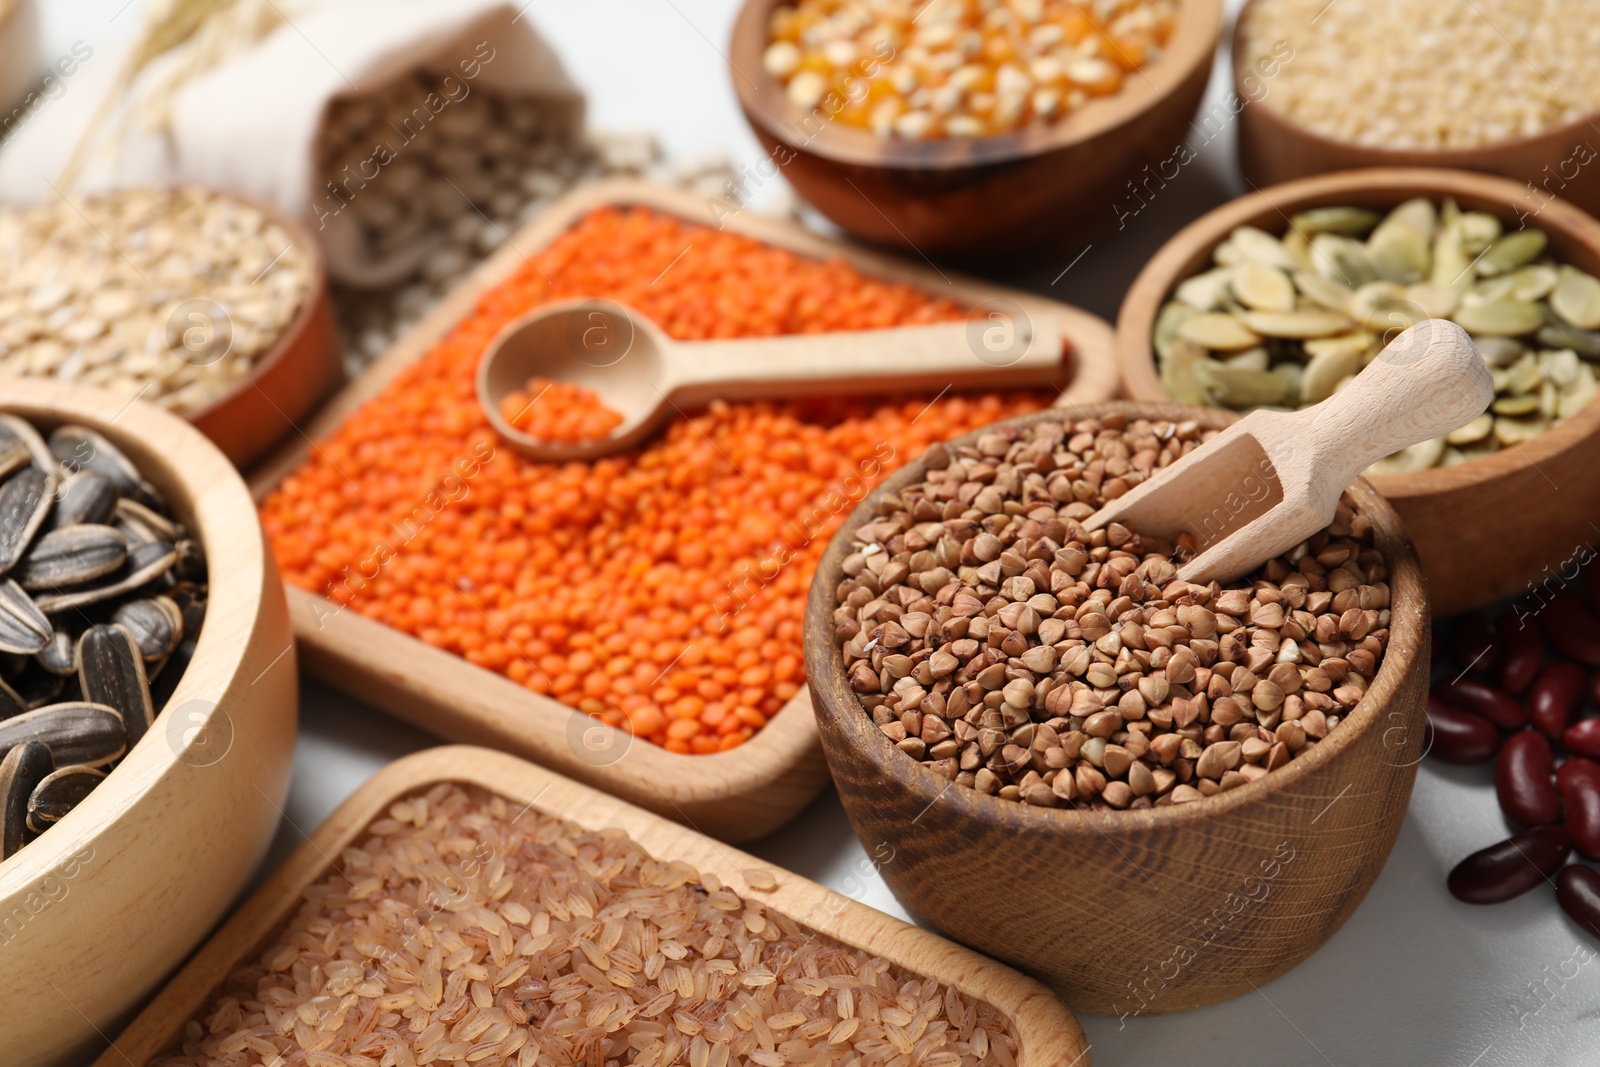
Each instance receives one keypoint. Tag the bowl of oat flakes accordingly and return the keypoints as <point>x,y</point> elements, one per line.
<point>1147,794</point>
<point>208,305</point>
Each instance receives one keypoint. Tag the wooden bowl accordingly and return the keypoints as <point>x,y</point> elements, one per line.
<point>291,378</point>
<point>1160,910</point>
<point>1275,148</point>
<point>95,913</point>
<point>1048,1034</point>
<point>979,195</point>
<point>1484,530</point>
<point>738,795</point>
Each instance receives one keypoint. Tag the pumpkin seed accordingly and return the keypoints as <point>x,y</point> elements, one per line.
<point>111,672</point>
<point>1526,404</point>
<point>1513,250</point>
<point>76,733</point>
<point>1178,373</point>
<point>1399,246</point>
<point>1293,375</point>
<point>1579,395</point>
<point>1218,331</point>
<point>1342,259</point>
<point>62,790</point>
<point>1418,457</point>
<point>1249,359</point>
<point>1237,387</point>
<point>23,627</point>
<point>1263,287</point>
<point>1510,431</point>
<point>1259,246</point>
<point>1503,318</point>
<point>1584,342</point>
<point>24,767</point>
<point>1577,299</point>
<point>1560,368</point>
<point>1321,290</point>
<point>1312,322</point>
<point>155,623</point>
<point>1347,221</point>
<point>1328,367</point>
<point>1373,304</point>
<point>1474,431</point>
<point>1452,267</point>
<point>1499,351</point>
<point>1298,245</point>
<point>72,556</point>
<point>85,497</point>
<point>1168,319</point>
<point>24,503</point>
<point>1205,292</point>
<point>1478,231</point>
<point>1435,301</point>
<point>1534,283</point>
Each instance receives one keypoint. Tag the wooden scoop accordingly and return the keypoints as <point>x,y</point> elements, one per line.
<point>644,376</point>
<point>1273,479</point>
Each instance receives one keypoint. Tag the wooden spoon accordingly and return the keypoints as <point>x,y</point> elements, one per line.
<point>1273,479</point>
<point>644,376</point>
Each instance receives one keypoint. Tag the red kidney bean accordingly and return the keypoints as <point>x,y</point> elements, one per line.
<point>1483,699</point>
<point>1511,867</point>
<point>1579,782</point>
<point>1572,628</point>
<point>1555,697</point>
<point>1523,779</point>
<point>1456,736</point>
<point>1578,892</point>
<point>1473,644</point>
<point>1582,738</point>
<point>1522,651</point>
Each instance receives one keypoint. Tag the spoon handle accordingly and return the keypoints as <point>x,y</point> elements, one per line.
<point>1426,382</point>
<point>1002,352</point>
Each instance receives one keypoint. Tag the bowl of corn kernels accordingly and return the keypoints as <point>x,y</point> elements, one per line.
<point>968,128</point>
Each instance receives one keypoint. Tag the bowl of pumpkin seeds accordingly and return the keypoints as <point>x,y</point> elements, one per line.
<point>1278,299</point>
<point>148,701</point>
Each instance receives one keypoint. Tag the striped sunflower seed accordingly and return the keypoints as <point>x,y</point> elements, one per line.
<point>111,672</point>
<point>146,562</point>
<point>72,556</point>
<point>75,732</point>
<point>24,767</point>
<point>24,503</point>
<point>87,497</point>
<point>62,790</point>
<point>23,627</point>
<point>156,624</point>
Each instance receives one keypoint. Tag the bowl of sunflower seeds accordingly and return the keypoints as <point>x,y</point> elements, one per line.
<point>148,703</point>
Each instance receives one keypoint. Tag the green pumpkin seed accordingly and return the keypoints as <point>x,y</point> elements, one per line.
<point>1347,221</point>
<point>76,733</point>
<point>1473,432</point>
<point>1324,291</point>
<point>1166,329</point>
<point>1311,322</point>
<point>85,497</point>
<point>1417,214</point>
<point>111,672</point>
<point>60,791</point>
<point>1239,388</point>
<point>24,767</point>
<point>1178,372</point>
<point>1342,260</point>
<point>1418,457</point>
<point>1561,368</point>
<point>1298,245</point>
<point>1577,299</point>
<point>24,630</point>
<point>1584,342</point>
<point>1513,250</point>
<point>1579,395</point>
<point>1435,301</point>
<point>1293,375</point>
<point>1478,231</point>
<point>1533,283</point>
<point>1499,351</point>
<point>1526,404</point>
<point>1452,267</point>
<point>1329,366</point>
<point>1218,331</point>
<point>1259,246</point>
<point>1205,292</point>
<point>1516,431</point>
<point>72,556</point>
<point>1263,287</point>
<point>1399,252</point>
<point>1249,359</point>
<point>1501,318</point>
<point>1372,304</point>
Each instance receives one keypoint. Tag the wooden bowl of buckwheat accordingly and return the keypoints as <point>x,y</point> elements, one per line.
<point>206,304</point>
<point>1108,778</point>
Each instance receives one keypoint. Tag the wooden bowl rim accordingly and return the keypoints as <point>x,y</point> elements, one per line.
<point>216,501</point>
<point>1044,1026</point>
<point>1408,646</point>
<point>1375,155</point>
<point>1193,41</point>
<point>1136,319</point>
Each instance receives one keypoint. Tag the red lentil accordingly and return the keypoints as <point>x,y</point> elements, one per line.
<point>559,411</point>
<point>661,591</point>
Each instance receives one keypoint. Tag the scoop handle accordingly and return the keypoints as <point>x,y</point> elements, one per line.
<point>1015,351</point>
<point>1426,382</point>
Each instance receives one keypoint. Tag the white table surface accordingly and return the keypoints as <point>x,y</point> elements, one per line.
<point>1413,978</point>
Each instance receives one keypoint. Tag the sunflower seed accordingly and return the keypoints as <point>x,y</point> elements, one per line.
<point>86,497</point>
<point>168,673</point>
<point>1577,299</point>
<point>23,627</point>
<point>191,601</point>
<point>24,767</point>
<point>61,791</point>
<point>24,503</point>
<point>11,702</point>
<point>111,671</point>
<point>77,732</point>
<point>155,623</point>
<point>60,656</point>
<point>79,448</point>
<point>151,525</point>
<point>146,563</point>
<point>72,556</point>
<point>13,453</point>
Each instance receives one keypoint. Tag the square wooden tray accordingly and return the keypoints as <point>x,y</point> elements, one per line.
<point>1049,1035</point>
<point>737,795</point>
